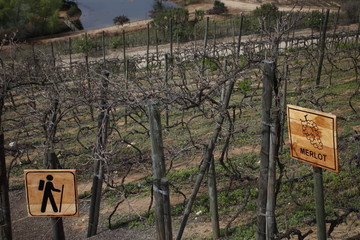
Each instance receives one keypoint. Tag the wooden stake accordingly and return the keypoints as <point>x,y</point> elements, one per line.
<point>322,47</point>
<point>160,183</point>
<point>268,81</point>
<point>213,200</point>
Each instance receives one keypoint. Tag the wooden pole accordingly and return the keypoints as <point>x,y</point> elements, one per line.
<point>270,205</point>
<point>103,48</point>
<point>124,47</point>
<point>70,52</point>
<point>268,82</point>
<point>239,36</point>
<point>171,39</point>
<point>57,223</point>
<point>322,47</point>
<point>53,54</point>
<point>213,200</point>
<point>147,46</point>
<point>284,107</point>
<point>5,218</point>
<point>96,190</point>
<point>160,183</point>
<point>319,202</point>
<point>166,86</point>
<point>205,46</point>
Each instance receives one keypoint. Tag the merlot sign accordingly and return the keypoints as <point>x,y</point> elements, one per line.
<point>313,137</point>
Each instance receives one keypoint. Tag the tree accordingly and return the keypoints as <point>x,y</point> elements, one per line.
<point>314,19</point>
<point>352,10</point>
<point>120,20</point>
<point>267,11</point>
<point>218,8</point>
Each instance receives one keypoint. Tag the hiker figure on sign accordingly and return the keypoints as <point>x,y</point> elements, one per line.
<point>48,194</point>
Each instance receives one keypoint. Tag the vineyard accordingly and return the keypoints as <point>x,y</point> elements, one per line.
<point>86,104</point>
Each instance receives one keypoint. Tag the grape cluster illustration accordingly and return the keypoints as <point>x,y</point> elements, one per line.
<point>311,131</point>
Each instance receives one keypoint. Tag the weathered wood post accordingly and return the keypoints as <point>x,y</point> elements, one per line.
<point>166,86</point>
<point>322,47</point>
<point>70,53</point>
<point>160,183</point>
<point>213,198</point>
<point>268,81</point>
<point>147,46</point>
<point>103,119</point>
<point>103,48</point>
<point>205,46</point>
<point>270,204</point>
<point>53,55</point>
<point>57,223</point>
<point>239,36</point>
<point>5,218</point>
<point>319,203</point>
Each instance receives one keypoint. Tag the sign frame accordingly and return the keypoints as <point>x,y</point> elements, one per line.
<point>309,146</point>
<point>47,175</point>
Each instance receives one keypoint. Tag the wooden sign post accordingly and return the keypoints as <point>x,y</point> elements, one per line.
<point>51,193</point>
<point>313,139</point>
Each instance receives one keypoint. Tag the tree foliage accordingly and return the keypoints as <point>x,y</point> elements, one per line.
<point>268,11</point>
<point>218,8</point>
<point>313,20</point>
<point>31,17</point>
<point>120,20</point>
<point>352,10</point>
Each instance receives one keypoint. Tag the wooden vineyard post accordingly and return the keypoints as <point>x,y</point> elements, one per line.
<point>239,37</point>
<point>166,87</point>
<point>160,183</point>
<point>213,200</point>
<point>57,223</point>
<point>103,120</point>
<point>322,47</point>
<point>70,52</point>
<point>270,203</point>
<point>124,47</point>
<point>205,46</point>
<point>147,46</point>
<point>53,55</point>
<point>103,48</point>
<point>268,81</point>
<point>319,203</point>
<point>5,218</point>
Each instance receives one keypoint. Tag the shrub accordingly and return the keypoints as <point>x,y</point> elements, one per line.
<point>218,8</point>
<point>313,20</point>
<point>352,10</point>
<point>120,20</point>
<point>268,11</point>
<point>83,45</point>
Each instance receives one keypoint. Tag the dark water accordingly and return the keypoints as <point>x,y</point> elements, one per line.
<point>100,13</point>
